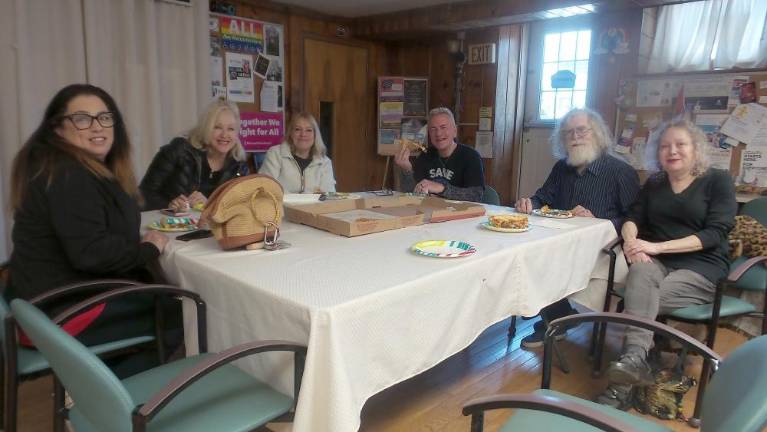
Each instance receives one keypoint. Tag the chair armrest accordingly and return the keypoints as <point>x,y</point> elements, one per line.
<point>119,292</point>
<point>79,287</point>
<point>620,318</point>
<point>743,268</point>
<point>202,324</point>
<point>549,404</point>
<point>610,248</point>
<point>147,411</point>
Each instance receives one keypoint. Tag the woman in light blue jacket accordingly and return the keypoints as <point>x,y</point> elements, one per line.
<point>300,164</point>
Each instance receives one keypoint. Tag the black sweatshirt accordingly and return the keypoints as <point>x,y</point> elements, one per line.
<point>705,209</point>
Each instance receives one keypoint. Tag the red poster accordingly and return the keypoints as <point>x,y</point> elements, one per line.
<point>261,130</point>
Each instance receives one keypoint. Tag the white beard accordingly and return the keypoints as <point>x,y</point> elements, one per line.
<point>582,155</point>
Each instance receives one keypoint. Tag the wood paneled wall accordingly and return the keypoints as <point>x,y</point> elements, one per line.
<point>419,55</point>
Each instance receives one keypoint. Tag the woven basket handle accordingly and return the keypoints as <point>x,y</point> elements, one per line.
<point>253,197</point>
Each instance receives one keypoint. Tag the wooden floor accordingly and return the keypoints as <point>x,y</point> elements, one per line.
<point>432,401</point>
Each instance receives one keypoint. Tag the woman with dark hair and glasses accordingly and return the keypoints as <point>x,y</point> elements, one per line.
<point>75,202</point>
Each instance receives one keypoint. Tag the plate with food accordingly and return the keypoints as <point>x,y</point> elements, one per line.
<point>443,248</point>
<point>507,223</point>
<point>545,211</point>
<point>174,224</point>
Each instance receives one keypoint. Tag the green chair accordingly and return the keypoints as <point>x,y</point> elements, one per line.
<point>745,274</point>
<point>20,363</point>
<point>490,196</point>
<point>198,393</point>
<point>736,401</point>
<point>757,209</point>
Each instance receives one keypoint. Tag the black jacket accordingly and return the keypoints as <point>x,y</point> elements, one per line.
<point>79,227</point>
<point>177,169</point>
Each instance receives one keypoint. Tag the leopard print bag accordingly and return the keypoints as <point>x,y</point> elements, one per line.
<point>748,238</point>
<point>663,399</point>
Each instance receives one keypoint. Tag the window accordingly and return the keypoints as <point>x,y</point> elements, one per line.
<point>563,51</point>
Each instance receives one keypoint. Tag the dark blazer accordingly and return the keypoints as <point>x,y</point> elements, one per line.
<point>177,169</point>
<point>78,227</point>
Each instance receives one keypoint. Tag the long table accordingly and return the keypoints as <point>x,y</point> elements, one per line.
<point>373,313</point>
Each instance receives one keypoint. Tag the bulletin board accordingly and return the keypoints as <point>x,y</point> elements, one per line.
<point>247,61</point>
<point>730,108</point>
<point>403,104</point>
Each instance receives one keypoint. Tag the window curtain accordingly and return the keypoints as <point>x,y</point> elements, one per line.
<point>711,34</point>
<point>151,56</point>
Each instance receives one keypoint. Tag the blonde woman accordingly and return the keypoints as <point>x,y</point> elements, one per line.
<point>300,164</point>
<point>186,171</point>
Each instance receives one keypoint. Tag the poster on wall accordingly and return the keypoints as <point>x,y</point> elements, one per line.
<point>248,67</point>
<point>240,35</point>
<point>261,130</point>
<point>403,103</point>
<point>415,98</point>
<point>239,77</point>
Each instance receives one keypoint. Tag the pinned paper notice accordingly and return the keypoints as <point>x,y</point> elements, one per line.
<point>484,124</point>
<point>484,144</point>
<point>270,96</point>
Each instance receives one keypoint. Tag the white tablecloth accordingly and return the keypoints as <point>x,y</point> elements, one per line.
<point>373,313</point>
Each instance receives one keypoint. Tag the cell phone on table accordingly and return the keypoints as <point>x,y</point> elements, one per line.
<point>174,213</point>
<point>195,235</point>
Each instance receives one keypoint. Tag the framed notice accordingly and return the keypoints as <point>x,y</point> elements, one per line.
<point>403,104</point>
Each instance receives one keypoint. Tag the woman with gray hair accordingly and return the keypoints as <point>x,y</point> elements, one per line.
<point>188,169</point>
<point>675,238</point>
<point>301,164</point>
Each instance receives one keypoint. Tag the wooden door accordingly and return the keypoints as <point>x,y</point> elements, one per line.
<point>335,78</point>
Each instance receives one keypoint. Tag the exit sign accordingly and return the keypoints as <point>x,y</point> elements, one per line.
<point>482,54</point>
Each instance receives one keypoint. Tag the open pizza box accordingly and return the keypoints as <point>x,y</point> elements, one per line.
<point>374,214</point>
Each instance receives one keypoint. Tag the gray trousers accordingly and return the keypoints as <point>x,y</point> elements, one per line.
<point>653,289</point>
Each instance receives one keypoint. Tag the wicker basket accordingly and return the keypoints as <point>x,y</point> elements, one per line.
<point>239,211</point>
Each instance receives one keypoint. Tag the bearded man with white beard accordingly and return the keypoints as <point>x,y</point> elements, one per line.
<point>587,180</point>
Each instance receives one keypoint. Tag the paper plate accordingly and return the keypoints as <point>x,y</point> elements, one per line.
<point>443,248</point>
<point>489,226</point>
<point>556,214</point>
<point>180,224</point>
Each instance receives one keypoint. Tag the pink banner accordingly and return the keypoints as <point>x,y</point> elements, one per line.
<point>261,130</point>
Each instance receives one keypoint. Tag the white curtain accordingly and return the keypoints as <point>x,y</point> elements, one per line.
<point>41,46</point>
<point>151,56</point>
<point>710,34</point>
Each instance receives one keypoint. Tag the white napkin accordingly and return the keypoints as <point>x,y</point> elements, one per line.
<point>300,198</point>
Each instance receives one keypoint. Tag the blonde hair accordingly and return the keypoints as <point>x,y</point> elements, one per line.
<point>318,148</point>
<point>200,133</point>
<point>697,136</point>
<point>599,130</point>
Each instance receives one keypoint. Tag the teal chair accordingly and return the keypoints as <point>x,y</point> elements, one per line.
<point>20,363</point>
<point>198,393</point>
<point>735,401</point>
<point>490,196</point>
<point>757,209</point>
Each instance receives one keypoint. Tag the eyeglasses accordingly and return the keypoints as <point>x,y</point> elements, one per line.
<point>580,131</point>
<point>82,121</point>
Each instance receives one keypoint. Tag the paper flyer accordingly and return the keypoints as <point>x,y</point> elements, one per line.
<point>239,77</point>
<point>753,168</point>
<point>391,114</point>
<point>655,93</point>
<point>745,122</point>
<point>484,144</point>
<point>270,96</point>
<point>217,71</point>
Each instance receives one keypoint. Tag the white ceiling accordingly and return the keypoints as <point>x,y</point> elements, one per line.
<point>359,8</point>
